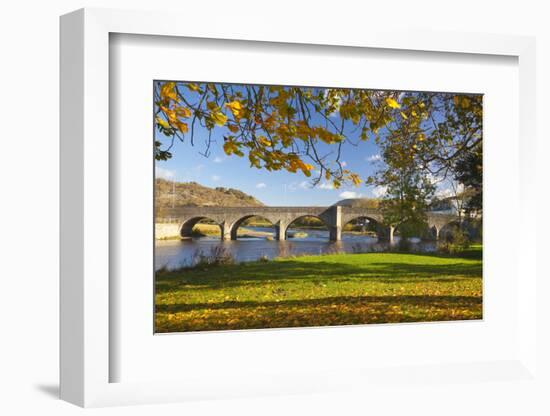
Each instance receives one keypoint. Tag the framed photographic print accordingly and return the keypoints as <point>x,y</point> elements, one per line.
<point>282,213</point>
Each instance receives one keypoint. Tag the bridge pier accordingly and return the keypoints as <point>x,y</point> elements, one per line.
<point>226,232</point>
<point>335,233</point>
<point>280,231</point>
<point>392,229</point>
<point>335,223</point>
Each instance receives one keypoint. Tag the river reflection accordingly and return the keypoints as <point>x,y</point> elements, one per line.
<point>175,253</point>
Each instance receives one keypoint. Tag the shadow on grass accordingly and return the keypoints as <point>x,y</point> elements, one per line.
<point>425,302</point>
<point>318,271</point>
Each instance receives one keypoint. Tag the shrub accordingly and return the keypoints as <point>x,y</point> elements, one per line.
<point>404,244</point>
<point>455,242</point>
<point>216,256</point>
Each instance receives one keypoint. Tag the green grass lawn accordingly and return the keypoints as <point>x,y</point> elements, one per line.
<point>340,289</point>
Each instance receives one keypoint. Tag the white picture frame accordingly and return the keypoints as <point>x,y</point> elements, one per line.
<point>85,212</point>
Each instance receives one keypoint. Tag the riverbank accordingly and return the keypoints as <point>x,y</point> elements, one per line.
<point>339,289</point>
<point>171,231</point>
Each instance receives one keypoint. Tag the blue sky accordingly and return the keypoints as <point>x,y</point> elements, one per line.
<point>279,188</point>
<point>272,188</point>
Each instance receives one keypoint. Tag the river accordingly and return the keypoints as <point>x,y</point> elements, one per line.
<point>175,253</point>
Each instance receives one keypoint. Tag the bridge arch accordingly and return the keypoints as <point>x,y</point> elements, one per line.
<point>292,221</point>
<point>238,223</point>
<point>374,224</point>
<point>466,225</point>
<point>186,228</point>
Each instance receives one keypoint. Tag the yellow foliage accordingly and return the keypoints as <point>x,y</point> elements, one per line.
<point>219,118</point>
<point>181,126</point>
<point>168,92</point>
<point>355,179</point>
<point>230,147</point>
<point>296,163</point>
<point>183,112</point>
<point>327,136</point>
<point>254,160</point>
<point>392,103</point>
<point>264,141</point>
<point>235,107</point>
<point>162,122</point>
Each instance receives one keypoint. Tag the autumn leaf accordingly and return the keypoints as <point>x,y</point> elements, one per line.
<point>392,103</point>
<point>183,112</point>
<point>306,168</point>
<point>235,107</point>
<point>230,147</point>
<point>254,160</point>
<point>182,126</point>
<point>234,128</point>
<point>264,141</point>
<point>355,179</point>
<point>219,118</point>
<point>193,87</point>
<point>162,122</point>
<point>168,92</point>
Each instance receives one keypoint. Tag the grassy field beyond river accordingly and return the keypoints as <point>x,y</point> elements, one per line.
<point>339,289</point>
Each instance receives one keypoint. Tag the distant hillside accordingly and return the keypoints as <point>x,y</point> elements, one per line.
<point>194,194</point>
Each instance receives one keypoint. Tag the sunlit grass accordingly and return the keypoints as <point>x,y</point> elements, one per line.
<point>339,289</point>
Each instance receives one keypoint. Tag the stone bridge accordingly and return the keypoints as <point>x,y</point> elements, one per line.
<point>334,217</point>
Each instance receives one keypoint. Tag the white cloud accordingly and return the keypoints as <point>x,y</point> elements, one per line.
<point>344,163</point>
<point>216,178</point>
<point>326,185</point>
<point>374,158</point>
<point>379,191</point>
<point>295,186</point>
<point>164,173</point>
<point>349,194</point>
<point>218,159</point>
<point>261,185</point>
